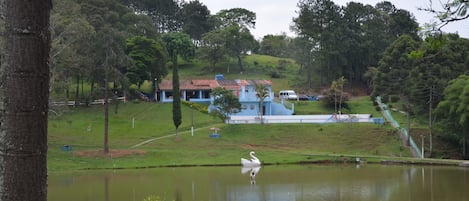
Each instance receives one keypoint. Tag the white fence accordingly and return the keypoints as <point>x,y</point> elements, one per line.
<point>93,102</point>
<point>350,118</point>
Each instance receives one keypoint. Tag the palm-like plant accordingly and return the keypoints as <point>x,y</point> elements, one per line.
<point>261,92</point>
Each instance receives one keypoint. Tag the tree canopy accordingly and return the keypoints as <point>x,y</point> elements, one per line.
<point>347,40</point>
<point>149,58</point>
<point>225,101</point>
<point>455,111</point>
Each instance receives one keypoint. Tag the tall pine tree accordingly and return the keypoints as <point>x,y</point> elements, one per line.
<point>178,44</point>
<point>24,96</point>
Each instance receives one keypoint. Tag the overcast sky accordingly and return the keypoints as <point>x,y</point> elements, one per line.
<point>275,16</point>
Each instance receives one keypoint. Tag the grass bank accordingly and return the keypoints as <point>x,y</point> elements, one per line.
<point>146,131</point>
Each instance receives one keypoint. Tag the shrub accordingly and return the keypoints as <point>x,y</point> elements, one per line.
<point>275,74</point>
<point>378,108</point>
<point>197,106</point>
<point>394,98</point>
<point>282,64</point>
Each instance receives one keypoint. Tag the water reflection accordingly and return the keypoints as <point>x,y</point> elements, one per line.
<point>106,187</point>
<point>253,171</point>
<point>285,183</point>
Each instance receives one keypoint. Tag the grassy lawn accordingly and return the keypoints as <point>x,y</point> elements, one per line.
<point>82,128</point>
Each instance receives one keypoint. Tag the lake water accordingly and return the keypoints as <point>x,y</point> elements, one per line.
<point>271,183</point>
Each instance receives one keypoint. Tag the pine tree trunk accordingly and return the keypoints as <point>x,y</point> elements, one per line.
<point>24,94</point>
<point>77,91</point>
<point>464,144</point>
<point>106,105</point>
<point>106,117</point>
<point>240,63</point>
<point>430,121</point>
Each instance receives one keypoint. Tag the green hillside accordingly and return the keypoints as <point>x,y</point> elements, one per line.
<point>141,134</point>
<point>82,129</point>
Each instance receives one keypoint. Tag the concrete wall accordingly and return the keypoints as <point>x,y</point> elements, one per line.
<point>358,118</point>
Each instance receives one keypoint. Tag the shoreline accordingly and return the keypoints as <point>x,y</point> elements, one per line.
<point>325,160</point>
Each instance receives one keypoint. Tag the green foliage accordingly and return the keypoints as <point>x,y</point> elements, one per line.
<point>196,106</point>
<point>393,98</point>
<point>235,24</point>
<point>262,92</point>
<point>213,47</point>
<point>225,101</point>
<point>179,44</point>
<point>177,116</point>
<point>276,74</point>
<point>347,40</point>
<point>454,108</point>
<point>438,65</point>
<point>335,96</point>
<point>274,45</point>
<point>149,58</point>
<point>166,14</point>
<point>196,19</point>
<point>239,40</point>
<point>237,16</point>
<point>395,68</point>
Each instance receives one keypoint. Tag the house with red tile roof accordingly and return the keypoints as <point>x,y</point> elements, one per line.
<point>199,91</point>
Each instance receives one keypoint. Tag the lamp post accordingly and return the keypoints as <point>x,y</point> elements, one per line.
<point>192,121</point>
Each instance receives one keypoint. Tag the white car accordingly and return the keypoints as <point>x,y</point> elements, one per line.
<point>287,94</point>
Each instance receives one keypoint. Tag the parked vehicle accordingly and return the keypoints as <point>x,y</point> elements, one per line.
<point>308,98</point>
<point>287,94</point>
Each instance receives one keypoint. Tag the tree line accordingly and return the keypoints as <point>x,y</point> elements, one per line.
<point>122,39</point>
<point>426,77</point>
<point>126,42</point>
<point>93,33</point>
<point>422,72</point>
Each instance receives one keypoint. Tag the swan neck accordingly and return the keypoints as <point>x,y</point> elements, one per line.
<point>253,157</point>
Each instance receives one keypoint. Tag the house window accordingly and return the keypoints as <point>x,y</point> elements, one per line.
<point>169,95</point>
<point>206,94</point>
<point>193,94</point>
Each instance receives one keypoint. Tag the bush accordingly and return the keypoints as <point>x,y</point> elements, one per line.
<point>394,98</point>
<point>329,99</point>
<point>385,98</point>
<point>378,108</point>
<point>282,64</point>
<point>275,74</point>
<point>197,106</point>
<point>256,63</point>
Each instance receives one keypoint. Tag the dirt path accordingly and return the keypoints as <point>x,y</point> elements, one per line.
<point>166,136</point>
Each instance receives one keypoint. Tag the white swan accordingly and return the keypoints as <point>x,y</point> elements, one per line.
<point>254,162</point>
